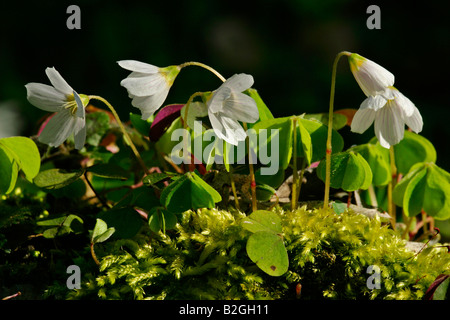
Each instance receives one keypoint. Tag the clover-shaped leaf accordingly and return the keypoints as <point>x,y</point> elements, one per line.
<point>265,246</point>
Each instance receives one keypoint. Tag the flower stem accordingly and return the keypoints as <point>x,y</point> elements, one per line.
<point>294,165</point>
<point>125,133</point>
<point>330,128</point>
<point>185,126</point>
<point>204,66</point>
<point>391,206</point>
<point>252,172</point>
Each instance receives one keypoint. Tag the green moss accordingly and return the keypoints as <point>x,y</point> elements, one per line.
<point>205,258</point>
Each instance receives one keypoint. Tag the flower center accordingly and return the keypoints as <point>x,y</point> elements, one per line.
<point>71,104</point>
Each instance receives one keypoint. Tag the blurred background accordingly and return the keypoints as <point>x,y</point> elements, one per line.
<point>287,45</point>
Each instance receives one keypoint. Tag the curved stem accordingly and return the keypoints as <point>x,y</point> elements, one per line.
<point>330,128</point>
<point>204,66</point>
<point>94,256</point>
<point>125,133</point>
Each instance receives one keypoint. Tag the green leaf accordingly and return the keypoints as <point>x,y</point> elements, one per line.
<point>154,178</point>
<point>425,187</point>
<point>262,220</point>
<point>17,153</point>
<point>413,149</point>
<point>282,134</point>
<point>161,219</point>
<point>378,161</point>
<point>319,136</point>
<point>101,232</point>
<point>339,120</point>
<point>304,144</point>
<point>126,221</point>
<point>61,225</point>
<point>109,171</point>
<point>265,246</point>
<point>349,171</point>
<point>264,112</point>
<point>57,178</point>
<point>339,207</point>
<point>165,143</point>
<point>9,170</point>
<point>267,250</point>
<point>264,192</point>
<point>142,126</point>
<point>189,192</point>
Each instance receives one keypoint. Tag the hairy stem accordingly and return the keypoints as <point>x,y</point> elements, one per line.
<point>330,129</point>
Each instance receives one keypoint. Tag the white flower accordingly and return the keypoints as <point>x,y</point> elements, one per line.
<point>228,105</point>
<point>371,77</point>
<point>148,85</point>
<point>390,116</point>
<point>68,105</point>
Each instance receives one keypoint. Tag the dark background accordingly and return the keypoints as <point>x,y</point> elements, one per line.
<point>288,47</point>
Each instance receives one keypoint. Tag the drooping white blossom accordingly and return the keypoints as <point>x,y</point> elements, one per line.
<point>68,106</point>
<point>148,85</point>
<point>389,115</point>
<point>228,105</point>
<point>372,78</point>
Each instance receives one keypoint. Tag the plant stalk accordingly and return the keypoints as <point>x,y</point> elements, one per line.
<point>295,172</point>
<point>252,172</point>
<point>330,128</point>
<point>391,205</point>
<point>199,64</point>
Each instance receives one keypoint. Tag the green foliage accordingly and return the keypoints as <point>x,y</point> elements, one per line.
<point>189,192</point>
<point>425,187</point>
<point>265,246</point>
<point>17,153</point>
<point>349,171</point>
<point>205,258</point>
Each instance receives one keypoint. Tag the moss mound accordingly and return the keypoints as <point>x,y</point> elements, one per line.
<point>205,258</point>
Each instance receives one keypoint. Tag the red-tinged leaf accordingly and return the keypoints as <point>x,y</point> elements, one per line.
<point>434,286</point>
<point>163,120</point>
<point>349,113</point>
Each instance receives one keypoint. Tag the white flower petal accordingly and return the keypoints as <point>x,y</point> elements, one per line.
<point>227,129</point>
<point>138,66</point>
<point>404,103</point>
<point>140,84</point>
<point>362,120</point>
<point>414,121</point>
<point>80,133</point>
<point>239,82</point>
<point>371,77</point>
<point>58,129</point>
<point>215,103</point>
<point>80,108</point>
<point>45,97</point>
<point>241,107</point>
<point>148,105</point>
<point>58,81</point>
<point>373,102</point>
<point>389,125</point>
